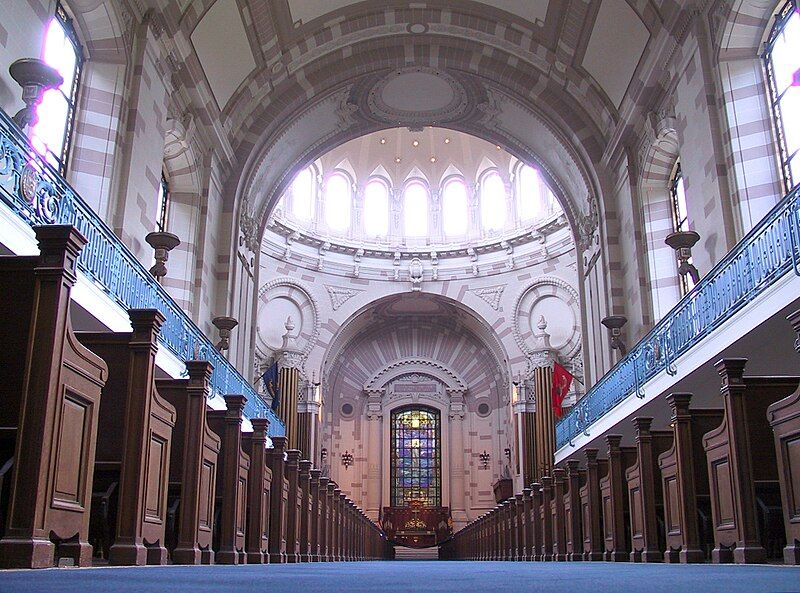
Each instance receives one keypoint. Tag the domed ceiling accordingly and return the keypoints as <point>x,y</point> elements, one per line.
<point>405,189</point>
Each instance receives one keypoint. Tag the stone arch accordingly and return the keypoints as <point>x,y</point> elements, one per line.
<point>424,366</point>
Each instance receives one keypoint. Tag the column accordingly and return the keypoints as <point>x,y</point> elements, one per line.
<point>374,453</point>
<point>457,503</point>
<point>544,422</point>
<point>289,361</point>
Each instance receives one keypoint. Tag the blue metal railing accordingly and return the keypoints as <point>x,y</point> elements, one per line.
<point>39,195</point>
<point>768,252</point>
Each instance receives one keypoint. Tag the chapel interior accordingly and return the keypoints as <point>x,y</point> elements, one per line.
<point>300,289</point>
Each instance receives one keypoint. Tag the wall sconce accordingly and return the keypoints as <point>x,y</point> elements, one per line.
<point>35,77</point>
<point>507,451</point>
<point>224,325</point>
<point>163,243</point>
<point>323,454</point>
<point>347,459</point>
<point>614,324</point>
<point>682,242</point>
<point>484,457</point>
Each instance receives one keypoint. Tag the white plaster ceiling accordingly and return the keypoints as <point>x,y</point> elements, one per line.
<point>304,11</point>
<point>221,44</point>
<point>417,91</point>
<point>615,47</point>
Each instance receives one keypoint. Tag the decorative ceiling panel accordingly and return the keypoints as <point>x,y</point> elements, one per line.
<point>221,44</point>
<point>617,43</point>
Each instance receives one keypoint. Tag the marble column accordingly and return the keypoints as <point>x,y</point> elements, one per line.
<point>457,503</point>
<point>374,453</point>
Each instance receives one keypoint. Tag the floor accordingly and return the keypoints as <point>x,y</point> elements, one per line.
<point>409,576</point>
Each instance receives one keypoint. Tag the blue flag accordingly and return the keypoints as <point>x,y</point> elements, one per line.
<point>270,379</point>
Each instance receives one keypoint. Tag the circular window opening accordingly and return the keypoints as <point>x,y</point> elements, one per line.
<point>347,409</point>
<point>483,409</point>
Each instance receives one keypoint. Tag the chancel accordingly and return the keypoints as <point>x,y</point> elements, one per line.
<point>288,286</point>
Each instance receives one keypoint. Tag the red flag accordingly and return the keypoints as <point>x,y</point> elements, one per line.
<point>562,379</point>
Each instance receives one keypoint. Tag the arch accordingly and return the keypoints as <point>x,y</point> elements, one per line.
<point>424,366</point>
<point>304,299</point>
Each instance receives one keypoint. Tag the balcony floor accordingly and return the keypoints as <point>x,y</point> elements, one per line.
<point>398,576</point>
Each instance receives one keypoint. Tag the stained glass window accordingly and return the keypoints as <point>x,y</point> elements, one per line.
<point>416,458</point>
<point>782,60</point>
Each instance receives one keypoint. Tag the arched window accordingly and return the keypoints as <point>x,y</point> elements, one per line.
<point>56,113</point>
<point>493,202</point>
<point>680,217</point>
<point>530,189</point>
<point>376,208</point>
<point>455,208</point>
<point>782,58</point>
<point>415,458</point>
<point>677,192</point>
<point>338,201</point>
<point>162,206</point>
<point>415,210</point>
<point>302,191</point>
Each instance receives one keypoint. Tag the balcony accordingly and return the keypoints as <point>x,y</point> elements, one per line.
<point>37,195</point>
<point>738,307</point>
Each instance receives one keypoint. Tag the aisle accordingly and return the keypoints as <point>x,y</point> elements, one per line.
<point>405,577</point>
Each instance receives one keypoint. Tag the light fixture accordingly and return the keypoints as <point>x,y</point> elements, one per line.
<point>507,451</point>
<point>383,140</point>
<point>323,453</point>
<point>415,143</point>
<point>35,77</point>
<point>614,324</point>
<point>682,242</point>
<point>498,147</point>
<point>433,159</point>
<point>397,159</point>
<point>484,457</point>
<point>347,459</point>
<point>162,243</point>
<point>447,140</point>
<point>224,324</point>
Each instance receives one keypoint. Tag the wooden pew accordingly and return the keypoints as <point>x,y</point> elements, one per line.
<point>278,502</point>
<point>742,466</point>
<point>684,482</point>
<point>50,389</point>
<point>293,508</point>
<point>522,527</point>
<point>324,519</point>
<point>193,466</point>
<point>316,516</point>
<point>259,487</point>
<point>646,499</point>
<point>591,509</point>
<point>232,480</point>
<point>784,417</point>
<point>536,522</point>
<point>576,477</point>
<point>131,471</point>
<point>305,511</point>
<point>547,518</point>
<point>527,525</point>
<point>559,518</point>
<point>616,514</point>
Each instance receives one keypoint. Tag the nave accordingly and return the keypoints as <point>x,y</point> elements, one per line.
<point>402,577</point>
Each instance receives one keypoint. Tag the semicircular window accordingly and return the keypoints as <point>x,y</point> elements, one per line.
<point>416,458</point>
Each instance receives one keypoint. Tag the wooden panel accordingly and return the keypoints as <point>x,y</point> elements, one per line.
<point>722,487</point>
<point>71,447</point>
<point>607,517</point>
<point>241,504</point>
<point>206,510</point>
<point>791,453</point>
<point>672,511</point>
<point>156,479</point>
<point>636,512</point>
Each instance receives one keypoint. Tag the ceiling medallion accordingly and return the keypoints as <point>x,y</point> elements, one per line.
<point>416,96</point>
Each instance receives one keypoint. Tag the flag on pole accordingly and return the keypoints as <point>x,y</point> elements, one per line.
<point>562,380</point>
<point>270,379</point>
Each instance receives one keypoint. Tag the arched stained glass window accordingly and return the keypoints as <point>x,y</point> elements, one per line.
<point>416,458</point>
<point>493,202</point>
<point>415,210</point>
<point>782,58</point>
<point>56,113</point>
<point>455,208</point>
<point>338,199</point>
<point>376,209</point>
<point>302,190</point>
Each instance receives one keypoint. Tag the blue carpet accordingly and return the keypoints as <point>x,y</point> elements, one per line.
<point>404,577</point>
